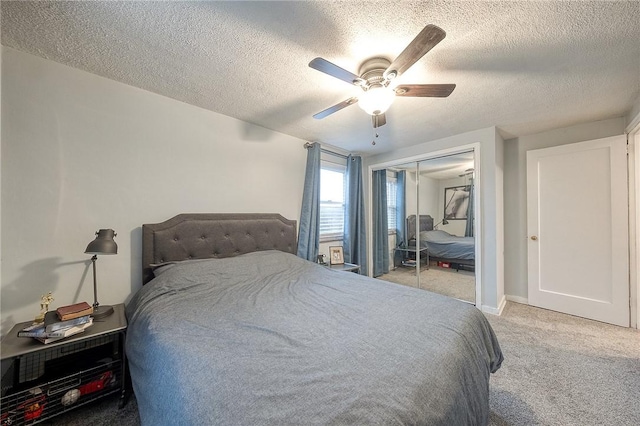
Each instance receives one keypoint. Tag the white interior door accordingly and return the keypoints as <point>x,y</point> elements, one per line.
<point>578,247</point>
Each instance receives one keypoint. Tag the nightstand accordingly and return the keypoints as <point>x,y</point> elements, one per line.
<point>43,381</point>
<point>349,267</point>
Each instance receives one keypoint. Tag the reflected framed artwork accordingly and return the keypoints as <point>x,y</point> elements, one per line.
<point>456,202</point>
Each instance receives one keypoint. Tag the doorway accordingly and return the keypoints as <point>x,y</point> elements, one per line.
<point>424,214</point>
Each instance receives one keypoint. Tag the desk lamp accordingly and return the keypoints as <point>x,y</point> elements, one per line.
<point>103,244</point>
<point>443,221</point>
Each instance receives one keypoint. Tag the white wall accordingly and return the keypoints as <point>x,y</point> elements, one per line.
<point>429,196</point>
<point>515,189</point>
<point>490,189</point>
<point>81,152</point>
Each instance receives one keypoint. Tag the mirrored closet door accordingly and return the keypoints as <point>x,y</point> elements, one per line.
<point>394,194</point>
<point>429,240</point>
<point>446,231</point>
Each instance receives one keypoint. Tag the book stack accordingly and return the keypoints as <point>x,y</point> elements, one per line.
<point>63,322</point>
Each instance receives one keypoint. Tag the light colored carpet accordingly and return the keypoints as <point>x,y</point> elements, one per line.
<point>558,370</point>
<point>564,370</point>
<point>457,284</point>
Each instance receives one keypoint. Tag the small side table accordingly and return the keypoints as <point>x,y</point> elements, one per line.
<point>43,381</point>
<point>423,253</point>
<point>347,267</point>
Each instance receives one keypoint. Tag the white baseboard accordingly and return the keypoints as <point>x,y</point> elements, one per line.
<point>518,299</point>
<point>495,311</point>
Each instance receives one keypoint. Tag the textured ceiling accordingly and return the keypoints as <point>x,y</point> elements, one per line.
<point>524,67</point>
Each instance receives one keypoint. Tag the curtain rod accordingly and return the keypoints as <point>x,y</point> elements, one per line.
<point>326,151</point>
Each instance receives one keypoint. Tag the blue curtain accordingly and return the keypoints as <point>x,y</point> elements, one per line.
<point>309,234</point>
<point>380,224</point>
<point>468,232</point>
<point>354,242</point>
<point>401,211</point>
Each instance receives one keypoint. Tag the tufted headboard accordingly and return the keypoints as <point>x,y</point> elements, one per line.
<point>214,235</point>
<point>426,224</point>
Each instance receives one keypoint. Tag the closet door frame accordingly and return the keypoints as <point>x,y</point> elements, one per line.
<point>475,147</point>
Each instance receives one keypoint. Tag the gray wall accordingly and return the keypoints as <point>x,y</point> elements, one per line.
<point>81,152</point>
<point>430,192</point>
<point>428,199</point>
<point>515,192</point>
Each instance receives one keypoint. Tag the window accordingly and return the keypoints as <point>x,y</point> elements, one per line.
<point>392,186</point>
<point>332,194</point>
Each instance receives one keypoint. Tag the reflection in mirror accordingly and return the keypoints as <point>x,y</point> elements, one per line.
<point>389,207</point>
<point>432,246</point>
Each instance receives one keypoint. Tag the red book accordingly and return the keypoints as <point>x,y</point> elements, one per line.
<point>74,311</point>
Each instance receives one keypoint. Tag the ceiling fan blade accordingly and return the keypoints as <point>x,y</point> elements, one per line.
<point>425,90</point>
<point>424,42</point>
<point>333,70</point>
<point>337,107</point>
<point>379,120</point>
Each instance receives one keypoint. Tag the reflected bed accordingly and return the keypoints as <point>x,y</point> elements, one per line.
<point>441,245</point>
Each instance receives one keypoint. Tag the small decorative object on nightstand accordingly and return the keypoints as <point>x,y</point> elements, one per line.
<point>103,244</point>
<point>336,255</point>
<point>44,307</point>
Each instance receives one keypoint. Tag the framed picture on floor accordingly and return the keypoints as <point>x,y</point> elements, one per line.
<point>336,255</point>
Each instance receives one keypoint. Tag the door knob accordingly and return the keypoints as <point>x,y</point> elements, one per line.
<point>534,238</point>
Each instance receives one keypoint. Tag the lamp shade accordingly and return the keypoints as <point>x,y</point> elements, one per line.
<point>103,244</point>
<point>376,100</point>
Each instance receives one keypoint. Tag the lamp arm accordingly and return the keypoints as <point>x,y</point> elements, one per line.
<point>95,285</point>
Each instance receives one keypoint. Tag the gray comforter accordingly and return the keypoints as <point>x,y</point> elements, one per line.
<point>442,244</point>
<point>267,338</point>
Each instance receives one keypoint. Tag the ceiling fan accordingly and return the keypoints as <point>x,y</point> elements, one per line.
<point>377,75</point>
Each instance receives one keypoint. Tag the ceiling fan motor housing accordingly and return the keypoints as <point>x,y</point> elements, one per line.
<point>372,72</point>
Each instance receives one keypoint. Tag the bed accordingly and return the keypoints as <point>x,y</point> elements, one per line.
<point>232,328</point>
<point>441,245</point>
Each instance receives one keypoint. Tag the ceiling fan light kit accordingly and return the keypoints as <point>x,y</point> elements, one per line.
<point>376,100</point>
<point>377,96</point>
<point>377,73</point>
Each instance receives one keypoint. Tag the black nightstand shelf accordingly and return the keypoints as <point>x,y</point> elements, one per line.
<point>43,381</point>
